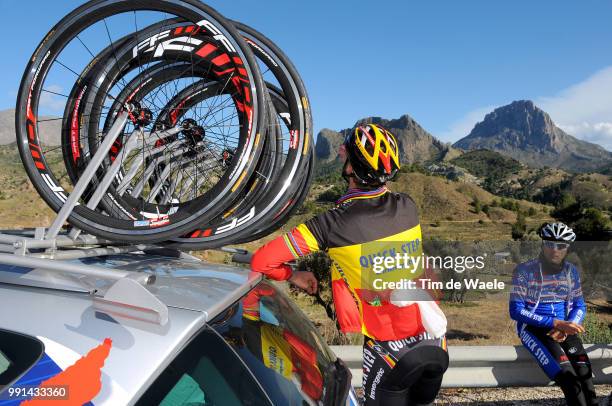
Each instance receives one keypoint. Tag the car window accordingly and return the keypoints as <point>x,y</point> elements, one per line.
<point>206,372</point>
<point>280,345</point>
<point>18,353</point>
<point>4,362</point>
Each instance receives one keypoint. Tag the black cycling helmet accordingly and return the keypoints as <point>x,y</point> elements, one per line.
<point>373,153</point>
<point>557,232</point>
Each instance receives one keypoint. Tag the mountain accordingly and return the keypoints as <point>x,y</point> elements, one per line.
<point>415,144</point>
<point>49,130</point>
<point>526,133</point>
<point>328,144</point>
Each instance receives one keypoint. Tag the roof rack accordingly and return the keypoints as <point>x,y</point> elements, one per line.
<point>47,265</point>
<point>49,250</point>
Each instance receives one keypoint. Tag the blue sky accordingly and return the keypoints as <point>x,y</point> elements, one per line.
<point>446,63</point>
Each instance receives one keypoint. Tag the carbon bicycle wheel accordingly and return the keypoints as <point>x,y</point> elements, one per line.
<point>241,212</point>
<point>168,181</point>
<point>293,108</point>
<point>55,58</point>
<point>286,212</point>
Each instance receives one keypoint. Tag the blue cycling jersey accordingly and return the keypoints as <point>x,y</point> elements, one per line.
<point>538,297</point>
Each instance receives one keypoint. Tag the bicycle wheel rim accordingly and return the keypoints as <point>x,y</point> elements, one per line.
<point>27,106</point>
<point>249,219</point>
<point>172,112</point>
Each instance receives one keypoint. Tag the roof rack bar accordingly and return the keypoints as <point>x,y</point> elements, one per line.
<point>232,250</point>
<point>38,233</point>
<point>62,266</point>
<point>59,241</point>
<point>91,252</point>
<point>240,255</point>
<point>10,239</point>
<point>88,174</point>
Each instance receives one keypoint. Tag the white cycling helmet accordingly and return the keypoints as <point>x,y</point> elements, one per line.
<point>557,232</point>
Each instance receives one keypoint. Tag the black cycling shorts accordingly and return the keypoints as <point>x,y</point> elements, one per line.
<point>401,372</point>
<point>566,363</point>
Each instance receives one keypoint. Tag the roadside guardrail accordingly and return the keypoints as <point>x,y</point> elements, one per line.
<point>491,366</point>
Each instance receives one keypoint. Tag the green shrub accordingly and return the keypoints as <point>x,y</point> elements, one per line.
<point>477,206</point>
<point>332,194</point>
<point>519,228</point>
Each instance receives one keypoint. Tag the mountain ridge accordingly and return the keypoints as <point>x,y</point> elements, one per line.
<point>523,131</point>
<point>49,130</point>
<point>416,145</point>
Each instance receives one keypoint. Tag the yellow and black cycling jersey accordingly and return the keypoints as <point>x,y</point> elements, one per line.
<point>364,227</point>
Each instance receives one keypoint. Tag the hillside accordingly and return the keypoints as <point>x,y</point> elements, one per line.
<point>505,176</point>
<point>49,130</point>
<point>526,133</point>
<point>487,164</point>
<point>20,205</point>
<point>446,207</point>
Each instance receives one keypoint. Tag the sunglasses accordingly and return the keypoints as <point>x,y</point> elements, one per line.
<point>556,245</point>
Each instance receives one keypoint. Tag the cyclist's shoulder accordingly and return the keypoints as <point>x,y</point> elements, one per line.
<point>330,218</point>
<point>389,207</point>
<point>404,198</point>
<point>573,268</point>
<point>529,266</point>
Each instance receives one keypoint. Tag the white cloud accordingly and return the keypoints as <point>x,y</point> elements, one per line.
<point>464,125</point>
<point>51,103</point>
<point>583,110</point>
<point>599,133</point>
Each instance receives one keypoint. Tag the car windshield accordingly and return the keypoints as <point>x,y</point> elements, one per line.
<point>280,346</point>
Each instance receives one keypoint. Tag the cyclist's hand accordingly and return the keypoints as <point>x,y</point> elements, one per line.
<point>568,327</point>
<point>557,335</point>
<point>305,281</point>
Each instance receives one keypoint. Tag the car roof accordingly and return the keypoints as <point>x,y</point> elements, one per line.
<point>184,282</point>
<point>62,314</point>
<point>187,283</point>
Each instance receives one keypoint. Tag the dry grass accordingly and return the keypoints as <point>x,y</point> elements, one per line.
<point>484,322</point>
<point>441,199</point>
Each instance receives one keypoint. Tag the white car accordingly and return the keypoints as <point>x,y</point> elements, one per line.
<point>194,333</point>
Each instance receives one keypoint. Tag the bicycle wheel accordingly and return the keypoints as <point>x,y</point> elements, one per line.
<point>57,52</point>
<point>193,94</point>
<point>292,105</point>
<point>201,156</point>
<point>293,204</point>
<point>165,179</point>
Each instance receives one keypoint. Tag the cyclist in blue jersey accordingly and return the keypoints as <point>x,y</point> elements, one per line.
<point>546,302</point>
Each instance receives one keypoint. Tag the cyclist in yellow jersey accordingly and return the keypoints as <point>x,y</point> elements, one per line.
<point>403,363</point>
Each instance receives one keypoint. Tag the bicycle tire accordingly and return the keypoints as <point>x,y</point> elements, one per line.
<point>29,94</point>
<point>242,225</point>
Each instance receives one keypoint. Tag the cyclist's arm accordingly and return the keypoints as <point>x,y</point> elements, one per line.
<point>578,311</point>
<point>518,308</point>
<point>271,259</point>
